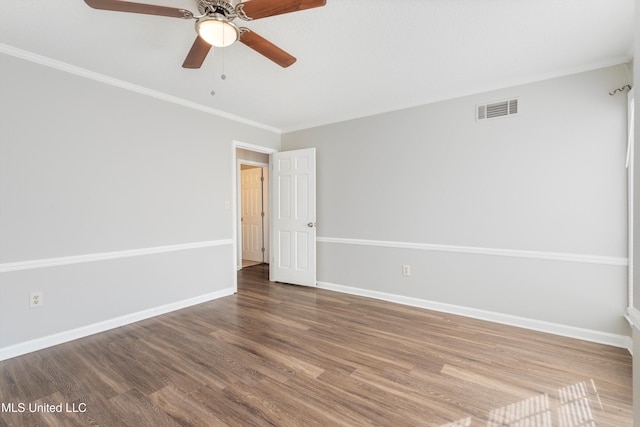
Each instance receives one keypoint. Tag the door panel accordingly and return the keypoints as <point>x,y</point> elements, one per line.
<point>284,191</point>
<point>285,250</point>
<point>294,223</point>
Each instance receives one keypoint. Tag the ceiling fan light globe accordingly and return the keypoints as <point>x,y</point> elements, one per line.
<point>217,32</point>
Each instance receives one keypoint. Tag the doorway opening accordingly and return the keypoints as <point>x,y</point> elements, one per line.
<point>248,156</point>
<point>290,244</point>
<point>254,213</point>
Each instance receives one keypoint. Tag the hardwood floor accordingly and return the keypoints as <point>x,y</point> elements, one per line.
<point>284,355</point>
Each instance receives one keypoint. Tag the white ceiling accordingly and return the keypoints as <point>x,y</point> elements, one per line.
<point>355,57</point>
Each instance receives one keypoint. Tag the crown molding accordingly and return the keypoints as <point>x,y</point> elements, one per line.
<point>83,72</point>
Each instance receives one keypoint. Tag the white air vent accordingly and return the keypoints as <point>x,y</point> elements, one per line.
<point>497,109</point>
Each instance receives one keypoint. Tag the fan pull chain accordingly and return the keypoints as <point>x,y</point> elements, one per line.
<point>223,76</point>
<point>213,82</point>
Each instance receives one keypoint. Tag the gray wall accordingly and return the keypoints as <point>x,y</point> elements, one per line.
<point>550,180</point>
<point>89,168</point>
<point>252,156</point>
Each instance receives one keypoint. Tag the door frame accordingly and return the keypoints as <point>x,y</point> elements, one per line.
<point>235,171</point>
<point>631,131</point>
<point>265,226</point>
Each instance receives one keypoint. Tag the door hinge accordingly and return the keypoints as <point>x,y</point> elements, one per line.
<point>262,214</point>
<point>262,250</point>
<point>262,178</point>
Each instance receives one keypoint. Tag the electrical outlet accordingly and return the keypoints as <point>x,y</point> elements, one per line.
<point>406,270</point>
<point>35,299</point>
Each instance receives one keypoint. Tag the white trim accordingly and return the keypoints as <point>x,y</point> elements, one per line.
<point>254,147</point>
<point>506,319</point>
<point>84,331</point>
<point>515,253</point>
<point>633,316</point>
<point>102,256</point>
<point>251,163</point>
<point>630,192</point>
<point>82,72</point>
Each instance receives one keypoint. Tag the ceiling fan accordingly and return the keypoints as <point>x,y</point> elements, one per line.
<point>214,25</point>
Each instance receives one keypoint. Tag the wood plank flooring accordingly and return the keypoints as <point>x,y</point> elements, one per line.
<point>284,355</point>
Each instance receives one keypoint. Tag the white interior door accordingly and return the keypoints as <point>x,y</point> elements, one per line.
<point>293,201</point>
<point>252,214</point>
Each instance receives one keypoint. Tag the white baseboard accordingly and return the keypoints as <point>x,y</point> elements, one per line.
<point>507,319</point>
<point>536,325</point>
<point>84,331</point>
<point>633,317</point>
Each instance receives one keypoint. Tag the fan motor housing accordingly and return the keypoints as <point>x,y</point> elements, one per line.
<point>223,7</point>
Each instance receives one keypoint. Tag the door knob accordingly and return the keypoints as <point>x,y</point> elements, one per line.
<point>311,224</point>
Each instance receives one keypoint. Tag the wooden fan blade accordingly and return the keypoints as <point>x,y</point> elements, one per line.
<point>266,48</point>
<point>147,9</point>
<point>255,9</point>
<point>197,54</point>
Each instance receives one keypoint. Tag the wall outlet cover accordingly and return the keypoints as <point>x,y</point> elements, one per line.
<point>406,270</point>
<point>35,299</point>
